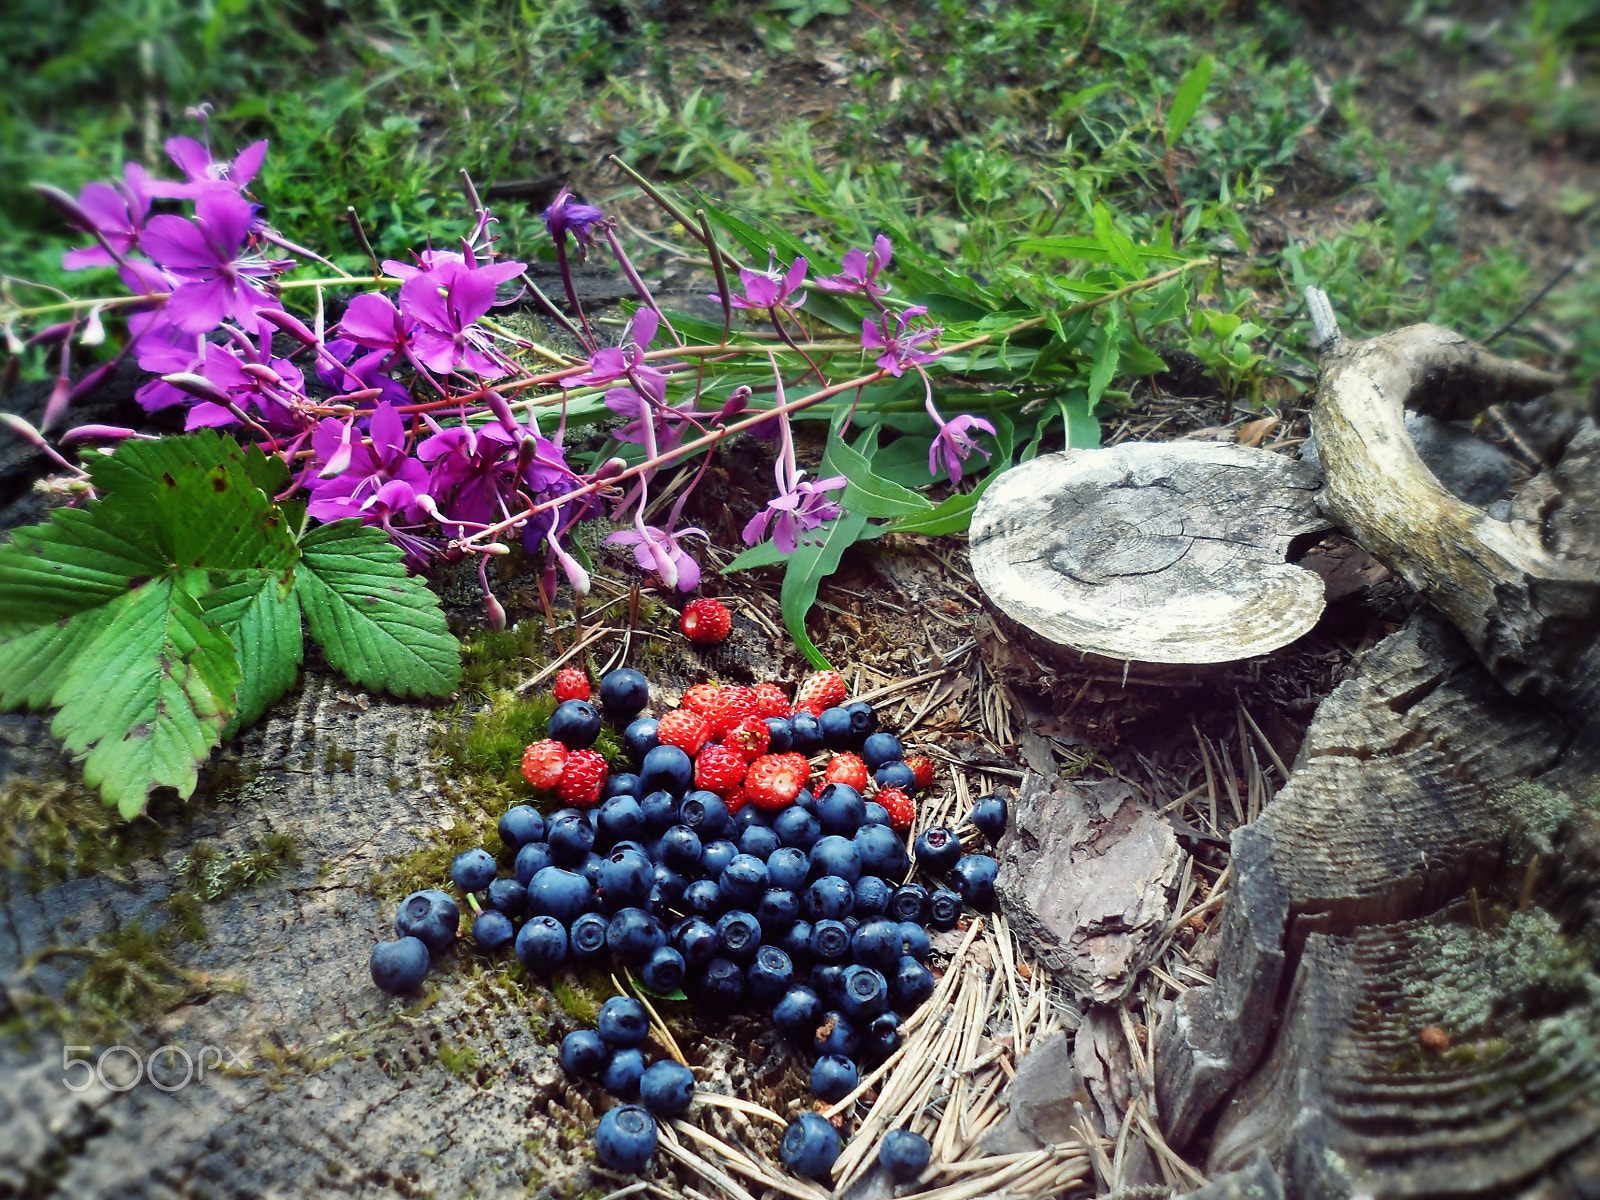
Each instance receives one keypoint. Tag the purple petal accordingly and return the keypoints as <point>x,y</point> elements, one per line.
<point>89,256</point>
<point>872,335</point>
<point>645,324</point>
<point>177,244</point>
<point>226,217</point>
<point>371,320</point>
<point>388,430</point>
<point>434,350</point>
<point>193,159</point>
<point>786,533</point>
<point>243,168</point>
<point>198,307</point>
<point>500,272</point>
<point>754,529</point>
<point>688,572</point>
<point>421,300</point>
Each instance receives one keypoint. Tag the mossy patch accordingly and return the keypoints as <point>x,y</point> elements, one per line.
<point>52,830</point>
<point>460,1061</point>
<point>1537,813</point>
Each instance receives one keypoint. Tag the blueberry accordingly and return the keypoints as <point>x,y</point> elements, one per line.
<point>663,971</point>
<point>586,940</point>
<point>830,941</point>
<point>680,848</point>
<point>399,966</point>
<point>715,856</point>
<point>904,1155</point>
<point>625,1139</point>
<point>583,1053</point>
<point>623,693</point>
<point>660,813</point>
<point>634,935</point>
<point>797,1014</point>
<point>832,854</point>
<point>744,880</point>
<point>531,859</point>
<point>747,816</point>
<point>666,769</point>
<point>841,809</point>
<point>738,935</point>
<point>781,736</point>
<point>833,1077</point>
<point>621,819</point>
<point>876,943</point>
<point>836,731</point>
<point>804,799</point>
<point>622,1072</point>
<point>703,898</point>
<point>590,870</point>
<point>521,825</point>
<point>431,916</point>
<point>796,827</point>
<point>974,879</point>
<point>810,1146</point>
<point>944,908</point>
<point>989,815</point>
<point>542,944</point>
<point>492,930</point>
<point>805,733</point>
<point>667,1088</point>
<point>624,783</point>
<point>895,774</point>
<point>911,984</point>
<point>560,894</point>
<point>874,814</point>
<point>721,984</point>
<point>758,841</point>
<point>623,1021</point>
<point>872,897</point>
<point>881,748</point>
<point>881,1037</point>
<point>937,850</point>
<point>575,724</point>
<point>626,877</point>
<point>863,720</point>
<point>769,975</point>
<point>828,899</point>
<point>706,814</point>
<point>696,940</point>
<point>914,940</point>
<point>787,867</point>
<point>639,738</point>
<point>865,993</point>
<point>881,852</point>
<point>909,903</point>
<point>669,883</point>
<point>778,910</point>
<point>570,839</point>
<point>827,980</point>
<point>508,896</point>
<point>795,941</point>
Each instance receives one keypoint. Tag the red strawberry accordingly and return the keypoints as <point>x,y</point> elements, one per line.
<point>719,769</point>
<point>771,702</point>
<point>543,762</point>
<point>584,776</point>
<point>687,730</point>
<point>750,737</point>
<point>773,780</point>
<point>572,683</point>
<point>902,810</point>
<point>823,690</point>
<point>848,769</point>
<point>921,770</point>
<point>731,706</point>
<point>735,800</point>
<point>706,621</point>
<point>700,697</point>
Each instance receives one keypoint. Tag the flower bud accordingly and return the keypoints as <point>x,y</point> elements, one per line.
<point>289,324</point>
<point>197,386</point>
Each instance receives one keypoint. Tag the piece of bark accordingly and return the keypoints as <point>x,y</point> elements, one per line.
<point>1041,1098</point>
<point>1257,1181</point>
<point>1152,552</point>
<point>1086,880</point>
<point>1100,1055</point>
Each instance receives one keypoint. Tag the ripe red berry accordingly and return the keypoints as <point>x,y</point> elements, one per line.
<point>730,706</point>
<point>719,769</point>
<point>771,702</point>
<point>735,800</point>
<point>572,683</point>
<point>823,690</point>
<point>774,780</point>
<point>584,776</point>
<point>848,769</point>
<point>687,730</point>
<point>543,762</point>
<point>706,621</point>
<point>700,697</point>
<point>902,809</point>
<point>921,770</point>
<point>750,737</point>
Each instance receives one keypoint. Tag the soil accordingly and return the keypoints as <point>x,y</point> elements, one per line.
<point>325,1086</point>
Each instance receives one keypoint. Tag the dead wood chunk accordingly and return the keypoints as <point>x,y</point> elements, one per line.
<point>1152,552</point>
<point>1258,1181</point>
<point>1086,879</point>
<point>1105,1067</point>
<point>1351,1102</point>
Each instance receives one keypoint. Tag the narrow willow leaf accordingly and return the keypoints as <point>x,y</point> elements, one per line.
<point>872,495</point>
<point>379,627</point>
<point>762,554</point>
<point>261,615</point>
<point>809,565</point>
<point>1186,101</point>
<point>1103,369</point>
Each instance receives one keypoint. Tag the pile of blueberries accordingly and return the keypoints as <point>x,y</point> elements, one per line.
<point>799,912</point>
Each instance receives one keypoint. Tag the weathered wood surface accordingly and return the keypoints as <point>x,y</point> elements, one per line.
<point>1152,552</point>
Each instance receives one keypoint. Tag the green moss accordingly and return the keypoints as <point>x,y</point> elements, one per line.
<point>1537,812</point>
<point>212,874</point>
<point>493,661</point>
<point>428,866</point>
<point>188,915</point>
<point>575,999</point>
<point>460,1061</point>
<point>52,830</point>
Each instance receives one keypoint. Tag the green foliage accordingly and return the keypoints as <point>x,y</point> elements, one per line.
<point>162,616</point>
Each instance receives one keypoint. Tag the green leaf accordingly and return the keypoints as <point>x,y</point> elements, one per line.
<point>150,694</point>
<point>1091,250</point>
<point>809,565</point>
<point>72,563</point>
<point>1103,369</point>
<point>261,615</point>
<point>1186,101</point>
<point>869,494</point>
<point>33,664</point>
<point>762,554</point>
<point>1117,245</point>
<point>1083,430</point>
<point>379,627</point>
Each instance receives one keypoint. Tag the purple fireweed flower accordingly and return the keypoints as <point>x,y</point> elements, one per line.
<point>163,349</point>
<point>650,546</point>
<point>900,348</point>
<point>445,302</point>
<point>202,173</point>
<point>272,388</point>
<point>372,468</point>
<point>860,273</point>
<point>118,211</point>
<point>474,480</point>
<point>770,288</point>
<point>670,421</point>
<point>565,215</point>
<point>610,364</point>
<point>372,320</point>
<point>793,513</point>
<point>216,280</point>
<point>954,443</point>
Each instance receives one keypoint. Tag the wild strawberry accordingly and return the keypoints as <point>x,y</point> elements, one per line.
<point>773,781</point>
<point>543,762</point>
<point>771,702</point>
<point>921,770</point>
<point>719,769</point>
<point>706,621</point>
<point>750,737</point>
<point>584,776</point>
<point>687,730</point>
<point>902,809</point>
<point>700,697</point>
<point>848,769</point>
<point>735,800</point>
<point>732,705</point>
<point>572,683</point>
<point>823,690</point>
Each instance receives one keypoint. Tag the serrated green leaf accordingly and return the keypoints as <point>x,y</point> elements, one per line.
<point>809,565</point>
<point>379,627</point>
<point>148,696</point>
<point>1186,101</point>
<point>261,616</point>
<point>33,664</point>
<point>70,564</point>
